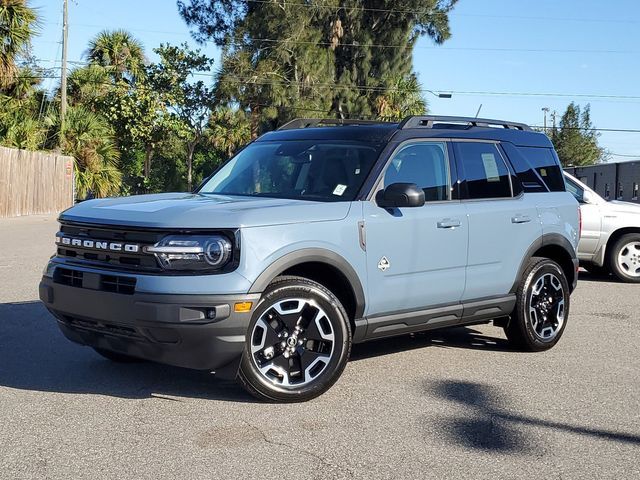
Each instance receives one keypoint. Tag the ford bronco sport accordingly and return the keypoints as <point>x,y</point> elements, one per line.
<point>320,235</point>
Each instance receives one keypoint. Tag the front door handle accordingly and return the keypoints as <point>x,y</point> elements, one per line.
<point>521,219</point>
<point>449,223</point>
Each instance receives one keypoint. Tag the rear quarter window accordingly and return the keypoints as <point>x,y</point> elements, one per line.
<point>544,162</point>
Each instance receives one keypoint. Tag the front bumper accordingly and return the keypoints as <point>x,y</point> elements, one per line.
<point>166,328</point>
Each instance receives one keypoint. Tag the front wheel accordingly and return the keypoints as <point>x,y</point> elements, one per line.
<point>542,307</point>
<point>625,258</point>
<point>298,342</point>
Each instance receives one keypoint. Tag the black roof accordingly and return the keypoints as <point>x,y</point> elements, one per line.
<point>411,127</point>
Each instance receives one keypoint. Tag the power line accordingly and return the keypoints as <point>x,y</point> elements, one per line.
<point>434,48</point>
<point>621,130</point>
<point>625,155</point>
<point>247,81</point>
<point>453,14</point>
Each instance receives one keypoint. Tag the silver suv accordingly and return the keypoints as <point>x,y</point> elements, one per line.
<point>610,241</point>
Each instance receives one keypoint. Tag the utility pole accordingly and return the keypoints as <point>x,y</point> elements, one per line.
<point>545,110</point>
<point>63,73</point>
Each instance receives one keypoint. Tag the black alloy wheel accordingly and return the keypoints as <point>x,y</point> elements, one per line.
<point>298,342</point>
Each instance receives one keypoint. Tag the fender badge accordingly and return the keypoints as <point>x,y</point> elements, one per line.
<point>383,264</point>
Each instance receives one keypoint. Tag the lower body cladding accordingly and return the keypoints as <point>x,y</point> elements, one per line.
<point>194,331</point>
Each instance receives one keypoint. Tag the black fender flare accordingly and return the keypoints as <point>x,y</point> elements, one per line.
<point>318,255</point>
<point>546,240</point>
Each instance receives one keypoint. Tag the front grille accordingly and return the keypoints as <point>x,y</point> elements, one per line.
<point>117,284</point>
<point>65,276</point>
<point>81,255</point>
<point>95,281</point>
<point>102,327</point>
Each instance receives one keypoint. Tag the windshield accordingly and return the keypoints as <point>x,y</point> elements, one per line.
<point>321,170</point>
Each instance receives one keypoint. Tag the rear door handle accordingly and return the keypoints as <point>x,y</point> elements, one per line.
<point>449,223</point>
<point>521,219</point>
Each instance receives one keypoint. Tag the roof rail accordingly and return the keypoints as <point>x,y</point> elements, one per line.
<point>319,122</point>
<point>428,121</point>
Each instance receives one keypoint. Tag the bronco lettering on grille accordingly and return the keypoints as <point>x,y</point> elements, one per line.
<point>97,244</point>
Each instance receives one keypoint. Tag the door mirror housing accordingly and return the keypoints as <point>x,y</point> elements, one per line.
<point>588,197</point>
<point>398,195</point>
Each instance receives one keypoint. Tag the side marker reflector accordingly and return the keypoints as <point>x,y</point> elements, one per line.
<point>242,307</point>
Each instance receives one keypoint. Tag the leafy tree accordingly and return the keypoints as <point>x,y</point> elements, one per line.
<point>118,51</point>
<point>283,59</point>
<point>576,139</point>
<point>17,25</point>
<point>189,101</point>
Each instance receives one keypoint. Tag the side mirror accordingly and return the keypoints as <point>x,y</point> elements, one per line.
<point>587,197</point>
<point>399,195</point>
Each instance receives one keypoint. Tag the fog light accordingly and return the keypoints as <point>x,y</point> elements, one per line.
<point>242,307</point>
<point>211,313</point>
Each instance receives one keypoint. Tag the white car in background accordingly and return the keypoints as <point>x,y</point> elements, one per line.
<point>610,241</point>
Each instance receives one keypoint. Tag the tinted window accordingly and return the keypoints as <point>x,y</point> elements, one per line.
<point>575,190</point>
<point>307,170</point>
<point>544,162</point>
<point>484,170</point>
<point>424,164</point>
<point>529,178</point>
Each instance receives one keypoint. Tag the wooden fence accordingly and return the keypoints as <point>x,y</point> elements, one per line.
<point>34,182</point>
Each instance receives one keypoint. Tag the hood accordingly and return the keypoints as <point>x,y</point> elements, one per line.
<point>186,210</point>
<point>622,207</point>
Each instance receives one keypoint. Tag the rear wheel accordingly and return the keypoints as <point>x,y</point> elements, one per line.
<point>117,357</point>
<point>298,342</point>
<point>542,307</point>
<point>625,258</point>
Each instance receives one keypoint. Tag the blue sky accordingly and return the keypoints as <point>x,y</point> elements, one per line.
<point>565,50</point>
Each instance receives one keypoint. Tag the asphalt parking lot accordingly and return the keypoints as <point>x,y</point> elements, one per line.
<point>454,404</point>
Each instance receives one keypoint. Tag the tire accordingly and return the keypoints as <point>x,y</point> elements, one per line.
<point>539,319</point>
<point>276,368</point>
<point>624,258</point>
<point>117,357</point>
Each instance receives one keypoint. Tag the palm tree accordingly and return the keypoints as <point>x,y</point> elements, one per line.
<point>403,98</point>
<point>229,129</point>
<point>21,124</point>
<point>89,139</point>
<point>25,133</point>
<point>118,51</point>
<point>17,26</point>
<point>88,84</point>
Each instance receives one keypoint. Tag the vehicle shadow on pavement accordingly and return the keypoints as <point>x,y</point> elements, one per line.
<point>461,337</point>
<point>34,355</point>
<point>488,423</point>
<point>585,276</point>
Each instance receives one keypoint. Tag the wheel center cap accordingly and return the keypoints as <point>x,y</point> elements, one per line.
<point>291,341</point>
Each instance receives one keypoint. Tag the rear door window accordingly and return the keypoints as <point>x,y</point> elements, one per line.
<point>483,169</point>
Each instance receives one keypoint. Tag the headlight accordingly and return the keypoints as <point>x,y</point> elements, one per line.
<point>192,252</point>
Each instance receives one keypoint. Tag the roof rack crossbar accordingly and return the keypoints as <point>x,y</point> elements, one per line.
<point>317,122</point>
<point>428,121</point>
